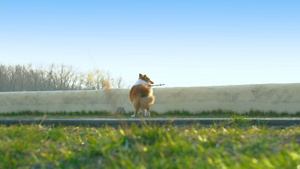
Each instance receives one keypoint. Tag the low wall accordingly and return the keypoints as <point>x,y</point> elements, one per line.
<point>275,97</point>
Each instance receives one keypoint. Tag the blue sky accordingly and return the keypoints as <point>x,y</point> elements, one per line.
<point>179,43</point>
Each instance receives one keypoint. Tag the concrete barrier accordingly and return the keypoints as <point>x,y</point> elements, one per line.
<point>269,97</point>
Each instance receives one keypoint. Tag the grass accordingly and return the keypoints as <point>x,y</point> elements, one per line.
<point>149,146</point>
<point>172,114</point>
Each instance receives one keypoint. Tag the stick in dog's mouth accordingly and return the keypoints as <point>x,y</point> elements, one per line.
<point>158,85</point>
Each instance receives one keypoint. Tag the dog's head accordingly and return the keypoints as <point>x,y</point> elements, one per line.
<point>146,78</point>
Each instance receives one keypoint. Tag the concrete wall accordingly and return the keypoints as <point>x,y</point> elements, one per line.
<point>276,97</point>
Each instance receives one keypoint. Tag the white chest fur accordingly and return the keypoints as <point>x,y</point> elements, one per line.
<point>140,81</point>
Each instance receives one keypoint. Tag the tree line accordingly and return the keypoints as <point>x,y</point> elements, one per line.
<point>53,77</point>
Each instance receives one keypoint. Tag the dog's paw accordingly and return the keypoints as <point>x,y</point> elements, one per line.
<point>133,115</point>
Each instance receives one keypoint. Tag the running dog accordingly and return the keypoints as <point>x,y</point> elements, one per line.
<point>141,95</point>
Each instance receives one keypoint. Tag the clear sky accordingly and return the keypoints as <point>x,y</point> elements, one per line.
<point>179,43</point>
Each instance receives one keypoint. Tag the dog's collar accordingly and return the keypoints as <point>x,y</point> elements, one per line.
<point>141,81</point>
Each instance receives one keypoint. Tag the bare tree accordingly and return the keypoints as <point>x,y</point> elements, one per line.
<point>119,83</point>
<point>39,78</point>
<point>4,81</point>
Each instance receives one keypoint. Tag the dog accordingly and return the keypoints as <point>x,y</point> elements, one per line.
<point>141,95</point>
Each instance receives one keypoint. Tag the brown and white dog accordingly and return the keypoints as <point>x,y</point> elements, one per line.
<point>141,95</point>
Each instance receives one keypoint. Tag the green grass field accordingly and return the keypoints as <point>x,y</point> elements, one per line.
<point>36,146</point>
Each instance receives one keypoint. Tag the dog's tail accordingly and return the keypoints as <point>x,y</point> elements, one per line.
<point>147,101</point>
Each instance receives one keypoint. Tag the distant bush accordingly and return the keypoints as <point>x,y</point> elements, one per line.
<point>52,77</point>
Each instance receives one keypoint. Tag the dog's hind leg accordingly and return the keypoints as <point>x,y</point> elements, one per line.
<point>136,106</point>
<point>135,113</point>
<point>145,112</point>
<point>148,112</point>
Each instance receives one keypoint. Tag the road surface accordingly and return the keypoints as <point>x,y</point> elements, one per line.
<point>115,122</point>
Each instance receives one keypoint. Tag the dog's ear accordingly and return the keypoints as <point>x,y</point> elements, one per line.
<point>148,79</point>
<point>141,76</point>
